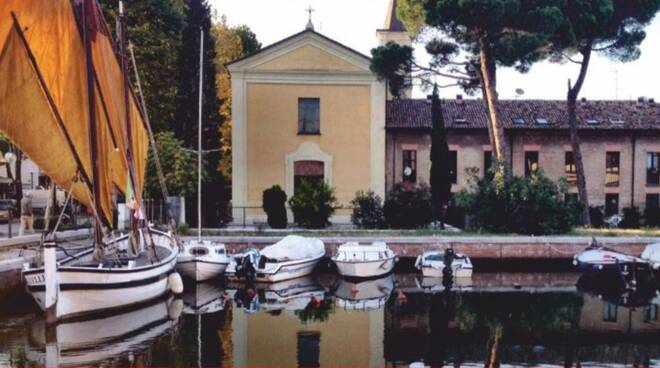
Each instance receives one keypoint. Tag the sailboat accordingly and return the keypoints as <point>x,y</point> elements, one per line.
<point>66,101</point>
<point>199,259</point>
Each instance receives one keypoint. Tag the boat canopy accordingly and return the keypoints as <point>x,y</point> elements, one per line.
<point>44,94</point>
<point>294,247</point>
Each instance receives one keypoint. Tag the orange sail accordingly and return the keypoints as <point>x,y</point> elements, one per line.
<point>44,100</point>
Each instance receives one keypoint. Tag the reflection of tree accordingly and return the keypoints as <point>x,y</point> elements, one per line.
<point>316,311</point>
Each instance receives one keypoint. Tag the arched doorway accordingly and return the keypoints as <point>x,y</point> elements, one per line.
<point>307,170</point>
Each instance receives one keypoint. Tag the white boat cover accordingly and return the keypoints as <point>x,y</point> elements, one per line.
<point>294,247</point>
<point>356,247</point>
<point>652,253</point>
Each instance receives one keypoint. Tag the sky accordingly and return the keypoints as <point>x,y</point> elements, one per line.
<point>354,23</point>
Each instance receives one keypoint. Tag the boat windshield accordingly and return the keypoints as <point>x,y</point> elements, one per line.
<point>435,257</point>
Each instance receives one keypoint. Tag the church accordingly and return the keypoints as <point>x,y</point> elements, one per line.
<point>308,107</point>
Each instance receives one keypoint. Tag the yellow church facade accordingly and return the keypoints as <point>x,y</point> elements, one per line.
<point>305,107</point>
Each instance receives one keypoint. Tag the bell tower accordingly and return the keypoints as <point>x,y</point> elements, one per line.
<point>394,31</point>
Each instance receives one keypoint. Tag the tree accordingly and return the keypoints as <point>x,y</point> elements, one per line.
<point>231,43</point>
<point>179,167</point>
<point>154,28</point>
<point>489,33</point>
<point>198,16</point>
<point>440,178</point>
<point>614,28</point>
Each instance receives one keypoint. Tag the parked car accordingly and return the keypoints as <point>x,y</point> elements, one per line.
<point>7,205</point>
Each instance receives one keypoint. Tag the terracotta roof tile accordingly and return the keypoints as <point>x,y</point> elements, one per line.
<point>610,115</point>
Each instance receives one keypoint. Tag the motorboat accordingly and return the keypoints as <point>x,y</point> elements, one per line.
<point>432,264</point>
<point>363,295</point>
<point>85,285</point>
<point>290,258</point>
<point>364,261</point>
<point>98,338</point>
<point>292,295</point>
<point>199,259</point>
<point>202,260</point>
<point>598,258</point>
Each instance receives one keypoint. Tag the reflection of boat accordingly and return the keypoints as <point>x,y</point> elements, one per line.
<point>603,289</point>
<point>292,257</point>
<point>101,338</point>
<point>203,298</point>
<point>82,124</point>
<point>432,264</point>
<point>202,260</point>
<point>355,260</point>
<point>365,295</point>
<point>433,284</point>
<point>292,295</point>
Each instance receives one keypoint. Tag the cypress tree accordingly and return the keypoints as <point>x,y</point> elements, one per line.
<point>198,16</point>
<point>440,168</point>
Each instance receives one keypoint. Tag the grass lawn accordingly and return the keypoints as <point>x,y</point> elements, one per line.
<point>644,232</point>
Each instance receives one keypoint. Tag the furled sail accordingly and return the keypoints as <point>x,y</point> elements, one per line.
<point>44,99</point>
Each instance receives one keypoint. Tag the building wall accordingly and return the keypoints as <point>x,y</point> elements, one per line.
<point>551,145</point>
<point>272,132</point>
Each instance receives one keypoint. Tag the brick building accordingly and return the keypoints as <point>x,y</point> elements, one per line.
<point>620,144</point>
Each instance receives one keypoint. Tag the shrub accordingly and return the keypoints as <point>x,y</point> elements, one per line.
<point>273,203</point>
<point>526,205</point>
<point>313,204</point>
<point>597,216</point>
<point>408,208</point>
<point>631,218</point>
<point>652,216</point>
<point>367,210</point>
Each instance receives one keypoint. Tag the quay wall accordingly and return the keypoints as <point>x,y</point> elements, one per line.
<point>554,248</point>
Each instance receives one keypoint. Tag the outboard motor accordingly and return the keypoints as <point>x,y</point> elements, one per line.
<point>447,271</point>
<point>245,266</point>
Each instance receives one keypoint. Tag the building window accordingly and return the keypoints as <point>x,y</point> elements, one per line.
<point>652,168</point>
<point>410,166</point>
<point>453,165</point>
<point>611,204</point>
<point>309,117</point>
<point>309,348</point>
<point>609,312</point>
<point>653,200</point>
<point>569,167</point>
<point>531,162</point>
<point>612,169</point>
<point>307,171</point>
<point>488,163</point>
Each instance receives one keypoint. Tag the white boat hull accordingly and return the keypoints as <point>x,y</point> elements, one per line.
<point>458,272</point>
<point>202,261</point>
<point>365,269</point>
<point>280,271</point>
<point>86,289</point>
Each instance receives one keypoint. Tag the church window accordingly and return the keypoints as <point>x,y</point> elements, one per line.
<point>309,121</point>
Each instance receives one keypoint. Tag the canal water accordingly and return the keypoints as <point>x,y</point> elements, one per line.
<point>509,319</point>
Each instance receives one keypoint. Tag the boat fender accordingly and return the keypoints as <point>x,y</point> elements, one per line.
<point>175,308</point>
<point>175,283</point>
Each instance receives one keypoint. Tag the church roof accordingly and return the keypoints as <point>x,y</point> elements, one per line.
<point>283,41</point>
<point>525,114</point>
<point>392,21</point>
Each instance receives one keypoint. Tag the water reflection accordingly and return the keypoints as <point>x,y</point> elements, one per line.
<point>500,319</point>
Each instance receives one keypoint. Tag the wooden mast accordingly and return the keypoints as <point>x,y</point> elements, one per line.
<point>199,137</point>
<point>91,106</point>
<point>127,96</point>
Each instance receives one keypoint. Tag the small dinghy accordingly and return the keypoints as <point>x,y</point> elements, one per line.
<point>290,258</point>
<point>202,260</point>
<point>612,266</point>
<point>597,258</point>
<point>432,264</point>
<point>364,261</point>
